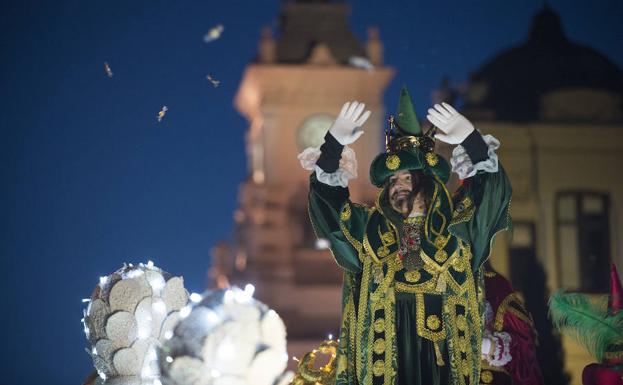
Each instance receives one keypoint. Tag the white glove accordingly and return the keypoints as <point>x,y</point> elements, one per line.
<point>454,126</point>
<point>347,126</point>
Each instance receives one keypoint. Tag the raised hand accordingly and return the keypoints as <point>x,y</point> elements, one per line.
<point>454,127</point>
<point>346,128</point>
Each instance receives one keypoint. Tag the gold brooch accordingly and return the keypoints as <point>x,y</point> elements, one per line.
<point>379,325</point>
<point>378,368</point>
<point>432,322</point>
<point>431,159</point>
<point>392,162</point>
<point>413,276</point>
<point>441,256</point>
<point>379,346</point>
<point>486,377</point>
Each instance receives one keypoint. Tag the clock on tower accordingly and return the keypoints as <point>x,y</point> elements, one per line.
<point>312,131</point>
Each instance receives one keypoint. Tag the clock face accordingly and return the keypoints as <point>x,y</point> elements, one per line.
<point>312,131</point>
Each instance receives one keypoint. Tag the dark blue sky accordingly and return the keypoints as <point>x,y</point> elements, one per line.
<point>91,180</point>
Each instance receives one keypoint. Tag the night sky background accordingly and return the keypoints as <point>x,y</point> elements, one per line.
<point>90,179</point>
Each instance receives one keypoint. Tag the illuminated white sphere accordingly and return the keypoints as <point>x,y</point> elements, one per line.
<point>129,314</point>
<point>226,337</point>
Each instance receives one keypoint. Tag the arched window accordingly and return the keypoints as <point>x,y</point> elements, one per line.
<point>583,240</point>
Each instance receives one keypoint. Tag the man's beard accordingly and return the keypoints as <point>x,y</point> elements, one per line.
<point>403,203</point>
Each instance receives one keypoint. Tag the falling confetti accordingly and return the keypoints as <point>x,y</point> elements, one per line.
<point>162,112</point>
<point>214,82</point>
<point>108,70</point>
<point>360,62</point>
<point>214,33</point>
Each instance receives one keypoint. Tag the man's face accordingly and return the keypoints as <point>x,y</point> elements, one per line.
<point>400,187</point>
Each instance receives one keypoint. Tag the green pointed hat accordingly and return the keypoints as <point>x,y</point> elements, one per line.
<point>407,120</point>
<point>406,147</point>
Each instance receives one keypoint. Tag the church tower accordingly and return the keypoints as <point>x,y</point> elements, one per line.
<point>290,95</point>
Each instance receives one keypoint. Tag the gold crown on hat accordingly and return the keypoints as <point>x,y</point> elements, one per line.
<point>396,140</point>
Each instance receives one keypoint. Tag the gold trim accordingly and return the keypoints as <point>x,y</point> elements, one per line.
<point>444,222</point>
<point>429,210</point>
<point>388,237</point>
<point>390,337</point>
<point>505,306</point>
<point>463,216</point>
<point>346,212</point>
<point>421,288</point>
<point>441,241</point>
<point>361,315</point>
<point>409,141</point>
<point>352,240</point>
<point>352,322</point>
<point>366,242</point>
<point>476,327</point>
<point>422,330</point>
<point>448,196</point>
<point>382,252</point>
<point>522,316</point>
<point>440,276</point>
<point>508,220</point>
<point>463,344</point>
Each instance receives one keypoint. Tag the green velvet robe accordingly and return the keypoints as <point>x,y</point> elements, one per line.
<point>420,327</point>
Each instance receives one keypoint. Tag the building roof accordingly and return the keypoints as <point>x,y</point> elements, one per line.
<point>512,84</point>
<point>305,24</point>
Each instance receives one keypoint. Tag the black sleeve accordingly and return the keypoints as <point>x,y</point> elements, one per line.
<point>331,152</point>
<point>476,147</point>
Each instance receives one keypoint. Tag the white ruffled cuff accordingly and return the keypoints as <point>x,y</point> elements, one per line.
<point>346,171</point>
<point>501,355</point>
<point>463,166</point>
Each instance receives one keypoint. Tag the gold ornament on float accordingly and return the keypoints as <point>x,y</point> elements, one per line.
<point>308,374</point>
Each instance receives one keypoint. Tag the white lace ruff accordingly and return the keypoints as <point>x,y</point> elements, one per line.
<point>463,166</point>
<point>346,171</point>
<point>502,351</point>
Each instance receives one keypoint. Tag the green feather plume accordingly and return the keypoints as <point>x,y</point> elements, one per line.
<point>587,321</point>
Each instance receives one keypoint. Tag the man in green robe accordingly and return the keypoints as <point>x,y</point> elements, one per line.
<point>412,294</point>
